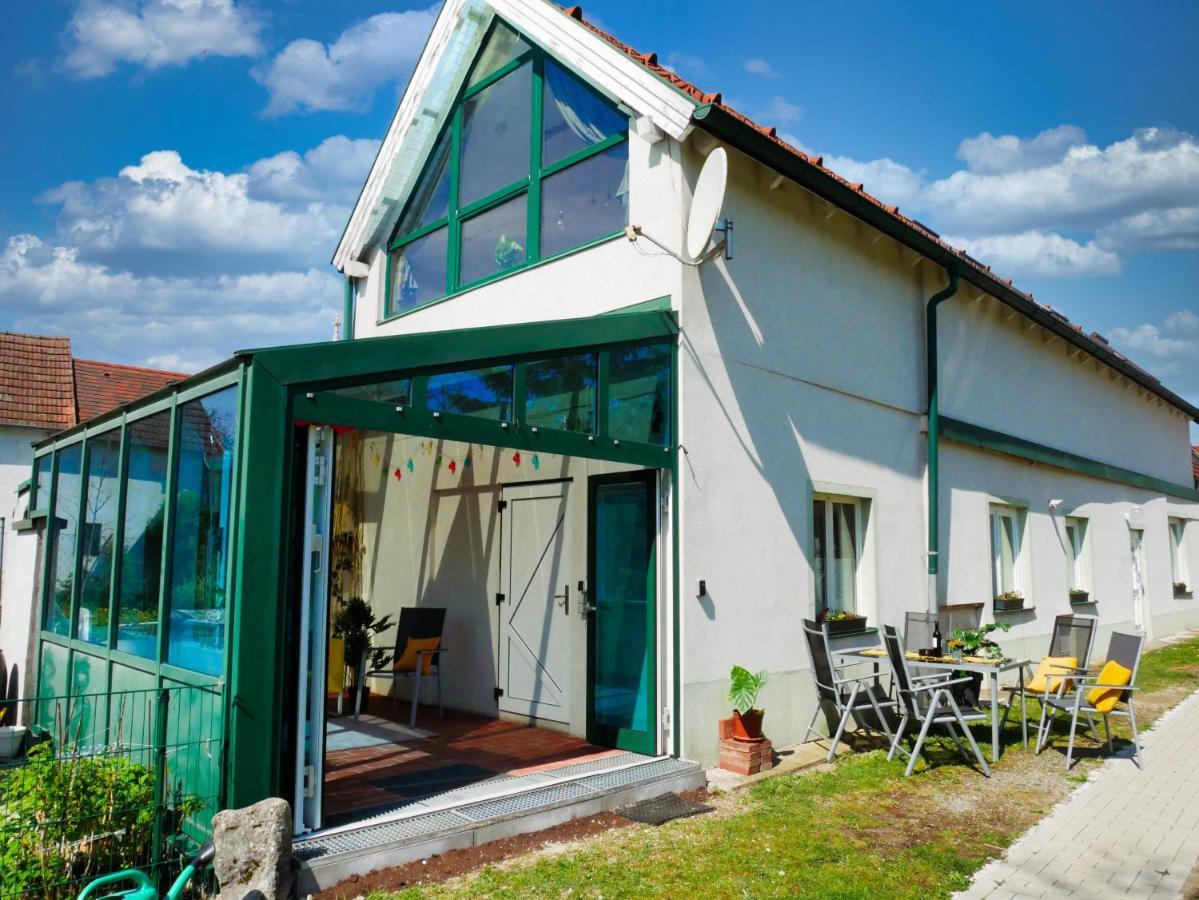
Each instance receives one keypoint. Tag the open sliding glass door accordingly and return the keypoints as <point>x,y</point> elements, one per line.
<point>314,614</point>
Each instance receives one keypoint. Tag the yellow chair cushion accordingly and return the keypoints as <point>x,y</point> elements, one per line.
<point>407,660</point>
<point>1051,666</point>
<point>337,666</point>
<point>1104,698</point>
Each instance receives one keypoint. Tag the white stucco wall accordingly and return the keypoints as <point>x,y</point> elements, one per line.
<point>19,549</point>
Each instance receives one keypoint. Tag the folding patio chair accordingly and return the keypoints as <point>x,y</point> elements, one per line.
<point>929,701</point>
<point>869,704</point>
<point>1100,694</point>
<point>417,654</point>
<point>1070,648</point>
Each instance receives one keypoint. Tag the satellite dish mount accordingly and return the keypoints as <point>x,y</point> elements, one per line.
<point>703,221</point>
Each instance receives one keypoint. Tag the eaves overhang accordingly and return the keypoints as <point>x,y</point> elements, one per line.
<point>763,147</point>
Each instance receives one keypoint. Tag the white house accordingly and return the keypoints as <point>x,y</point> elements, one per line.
<point>615,466</point>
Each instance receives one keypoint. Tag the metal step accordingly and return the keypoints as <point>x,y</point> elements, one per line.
<point>520,805</point>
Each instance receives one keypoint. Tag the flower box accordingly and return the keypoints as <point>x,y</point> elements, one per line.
<point>1008,603</point>
<point>1080,597</point>
<point>850,625</point>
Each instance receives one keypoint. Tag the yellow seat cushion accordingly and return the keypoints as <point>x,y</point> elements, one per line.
<point>1051,666</point>
<point>337,666</point>
<point>407,660</point>
<point>1104,698</point>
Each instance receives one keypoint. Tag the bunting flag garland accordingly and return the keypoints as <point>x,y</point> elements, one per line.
<point>409,464</point>
<point>453,466</point>
<point>536,461</point>
<point>399,474</point>
<point>516,458</point>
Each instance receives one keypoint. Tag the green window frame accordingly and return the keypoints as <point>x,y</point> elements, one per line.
<point>527,188</point>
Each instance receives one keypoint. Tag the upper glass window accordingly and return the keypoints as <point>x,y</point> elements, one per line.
<point>639,393</point>
<point>476,392</point>
<point>207,439</point>
<point>397,393</point>
<point>561,393</point>
<point>532,163</point>
<point>68,493</point>
<point>97,535</point>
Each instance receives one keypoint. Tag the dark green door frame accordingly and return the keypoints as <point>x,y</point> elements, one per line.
<point>638,740</point>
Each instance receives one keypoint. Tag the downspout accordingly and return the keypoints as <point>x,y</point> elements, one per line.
<point>347,311</point>
<point>930,346</point>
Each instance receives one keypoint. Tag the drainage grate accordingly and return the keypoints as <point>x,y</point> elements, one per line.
<point>593,765</point>
<point>660,810</point>
<point>659,768</point>
<point>377,835</point>
<point>523,802</point>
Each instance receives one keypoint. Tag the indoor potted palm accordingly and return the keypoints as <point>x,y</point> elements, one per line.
<point>743,692</point>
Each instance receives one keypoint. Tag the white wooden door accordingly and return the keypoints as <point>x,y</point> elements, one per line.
<point>536,609</point>
<point>1138,578</point>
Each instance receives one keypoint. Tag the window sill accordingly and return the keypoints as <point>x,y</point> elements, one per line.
<point>1184,595</point>
<point>501,276</point>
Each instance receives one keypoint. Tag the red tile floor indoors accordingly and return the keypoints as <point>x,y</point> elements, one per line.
<point>462,749</point>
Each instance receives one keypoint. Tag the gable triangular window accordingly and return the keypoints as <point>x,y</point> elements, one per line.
<point>533,163</point>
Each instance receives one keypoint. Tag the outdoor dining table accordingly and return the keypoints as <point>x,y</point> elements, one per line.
<point>990,669</point>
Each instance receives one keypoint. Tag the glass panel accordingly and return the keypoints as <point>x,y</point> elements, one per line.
<point>639,394</point>
<point>845,557</point>
<point>561,393</point>
<point>623,593</point>
<point>575,116</point>
<point>493,241</point>
<point>66,528</point>
<point>1072,554</point>
<point>141,545</point>
<point>503,46</point>
<point>818,555</point>
<point>1006,553</point>
<point>207,438</point>
<point>397,393</point>
<point>418,271</point>
<point>495,137</point>
<point>587,201</point>
<point>40,484</point>
<point>486,393</point>
<point>97,535</point>
<point>431,198</point>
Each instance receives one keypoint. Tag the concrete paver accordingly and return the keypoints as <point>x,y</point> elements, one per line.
<point>1127,832</point>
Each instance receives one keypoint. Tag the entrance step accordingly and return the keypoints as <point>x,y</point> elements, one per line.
<point>501,808</point>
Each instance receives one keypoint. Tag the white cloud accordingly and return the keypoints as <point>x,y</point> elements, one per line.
<point>988,154</point>
<point>779,111</point>
<point>884,178</point>
<point>155,33</point>
<point>761,68</point>
<point>162,216</point>
<point>685,64</point>
<point>308,75</point>
<point>1154,229</point>
<point>1169,350</point>
<point>1037,254</point>
<point>172,322</point>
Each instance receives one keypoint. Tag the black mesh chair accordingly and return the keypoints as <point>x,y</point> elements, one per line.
<point>929,701</point>
<point>416,623</point>
<point>1124,649</point>
<point>918,628</point>
<point>1073,637</point>
<point>866,700</point>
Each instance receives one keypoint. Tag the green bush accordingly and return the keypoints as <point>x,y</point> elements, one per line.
<point>66,819</point>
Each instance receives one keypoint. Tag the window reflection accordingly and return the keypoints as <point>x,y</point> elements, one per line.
<point>418,271</point>
<point>486,393</point>
<point>589,200</point>
<point>561,393</point>
<point>574,117</point>
<point>494,241</point>
<point>639,393</point>
<point>207,438</point>
<point>65,524</point>
<point>97,535</point>
<point>496,124</point>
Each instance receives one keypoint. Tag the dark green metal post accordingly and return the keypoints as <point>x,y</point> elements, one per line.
<point>934,525</point>
<point>347,311</point>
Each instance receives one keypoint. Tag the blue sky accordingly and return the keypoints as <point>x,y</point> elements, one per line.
<point>177,172</point>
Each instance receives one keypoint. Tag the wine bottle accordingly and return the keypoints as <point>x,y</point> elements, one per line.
<point>937,638</point>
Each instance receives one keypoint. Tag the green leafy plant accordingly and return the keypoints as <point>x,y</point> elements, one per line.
<point>1079,594</point>
<point>355,621</point>
<point>1009,595</point>
<point>71,818</point>
<point>508,253</point>
<point>744,687</point>
<point>840,615</point>
<point>974,641</point>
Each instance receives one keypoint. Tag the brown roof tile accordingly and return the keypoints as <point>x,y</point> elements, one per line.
<point>1195,463</point>
<point>36,388</point>
<point>101,387</point>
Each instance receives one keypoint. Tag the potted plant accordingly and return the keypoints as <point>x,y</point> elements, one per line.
<point>1180,587</point>
<point>974,642</point>
<point>842,621</point>
<point>1009,600</point>
<point>1078,595</point>
<point>743,693</point>
<point>355,622</point>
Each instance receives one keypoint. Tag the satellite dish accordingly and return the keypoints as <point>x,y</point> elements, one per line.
<point>707,201</point>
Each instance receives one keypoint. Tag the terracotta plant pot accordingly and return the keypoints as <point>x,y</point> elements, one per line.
<point>748,726</point>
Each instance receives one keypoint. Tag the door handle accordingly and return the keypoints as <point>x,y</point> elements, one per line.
<point>565,598</point>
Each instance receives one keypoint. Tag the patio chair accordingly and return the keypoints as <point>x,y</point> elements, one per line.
<point>417,655</point>
<point>869,704</point>
<point>1070,648</point>
<point>1087,695</point>
<point>335,681</point>
<point>928,700</point>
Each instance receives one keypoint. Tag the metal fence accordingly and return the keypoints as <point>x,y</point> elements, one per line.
<point>105,782</point>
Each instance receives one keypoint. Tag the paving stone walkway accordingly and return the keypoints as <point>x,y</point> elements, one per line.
<point>1127,832</point>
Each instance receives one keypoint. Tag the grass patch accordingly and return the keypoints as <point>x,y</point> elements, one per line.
<point>857,829</point>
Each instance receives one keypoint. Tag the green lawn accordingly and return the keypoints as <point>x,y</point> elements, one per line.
<point>855,829</point>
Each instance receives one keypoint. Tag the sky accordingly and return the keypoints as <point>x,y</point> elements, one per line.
<point>175,174</point>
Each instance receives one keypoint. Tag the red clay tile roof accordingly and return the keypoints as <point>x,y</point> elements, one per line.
<point>1195,463</point>
<point>101,387</point>
<point>36,388</point>
<point>42,386</point>
<point>1094,342</point>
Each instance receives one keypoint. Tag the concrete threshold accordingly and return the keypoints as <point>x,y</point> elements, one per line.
<point>474,816</point>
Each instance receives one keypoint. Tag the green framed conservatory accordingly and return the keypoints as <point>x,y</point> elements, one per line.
<point>175,551</point>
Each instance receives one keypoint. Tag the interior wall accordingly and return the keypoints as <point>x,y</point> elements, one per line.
<point>432,537</point>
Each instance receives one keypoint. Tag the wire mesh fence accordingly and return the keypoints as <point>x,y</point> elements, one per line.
<point>99,783</point>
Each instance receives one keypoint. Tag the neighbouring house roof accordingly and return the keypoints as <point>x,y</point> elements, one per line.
<point>1195,463</point>
<point>101,386</point>
<point>43,386</point>
<point>36,382</point>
